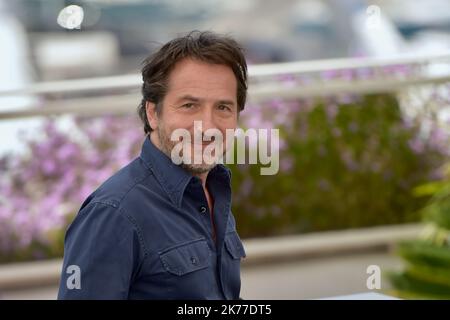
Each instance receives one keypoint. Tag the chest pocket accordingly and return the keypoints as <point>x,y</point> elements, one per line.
<point>231,265</point>
<point>186,257</point>
<point>234,245</point>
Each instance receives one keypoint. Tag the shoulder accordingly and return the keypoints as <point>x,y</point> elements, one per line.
<point>106,204</point>
<point>124,185</point>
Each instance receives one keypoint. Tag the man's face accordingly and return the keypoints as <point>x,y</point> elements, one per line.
<point>197,91</point>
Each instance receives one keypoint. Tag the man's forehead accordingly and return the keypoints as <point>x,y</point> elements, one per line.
<point>200,80</point>
<point>194,71</point>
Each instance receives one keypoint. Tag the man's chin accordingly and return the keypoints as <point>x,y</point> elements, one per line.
<point>198,168</point>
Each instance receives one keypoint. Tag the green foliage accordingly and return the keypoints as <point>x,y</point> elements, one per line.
<point>349,165</point>
<point>427,273</point>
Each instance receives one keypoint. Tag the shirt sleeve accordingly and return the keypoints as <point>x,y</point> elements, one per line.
<point>100,253</point>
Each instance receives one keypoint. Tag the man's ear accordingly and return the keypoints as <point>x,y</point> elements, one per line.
<point>152,117</point>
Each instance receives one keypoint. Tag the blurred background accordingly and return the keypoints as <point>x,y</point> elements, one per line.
<point>360,91</point>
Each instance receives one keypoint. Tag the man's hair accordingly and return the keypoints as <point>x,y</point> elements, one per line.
<point>203,46</point>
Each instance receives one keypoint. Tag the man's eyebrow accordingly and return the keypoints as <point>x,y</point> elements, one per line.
<point>189,97</point>
<point>196,99</point>
<point>230,102</point>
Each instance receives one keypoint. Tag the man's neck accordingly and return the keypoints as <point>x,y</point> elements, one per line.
<point>209,199</point>
<point>202,177</point>
<point>154,139</point>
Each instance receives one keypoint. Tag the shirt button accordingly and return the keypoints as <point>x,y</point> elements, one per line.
<point>202,209</point>
<point>193,260</point>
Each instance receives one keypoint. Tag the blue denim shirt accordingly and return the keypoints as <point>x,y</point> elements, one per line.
<point>146,233</point>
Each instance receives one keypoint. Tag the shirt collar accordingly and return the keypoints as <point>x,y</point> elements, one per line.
<point>173,178</point>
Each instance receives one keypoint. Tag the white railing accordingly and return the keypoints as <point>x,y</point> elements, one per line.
<point>262,84</point>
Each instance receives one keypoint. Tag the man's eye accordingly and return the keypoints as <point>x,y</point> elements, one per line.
<point>188,105</point>
<point>223,107</point>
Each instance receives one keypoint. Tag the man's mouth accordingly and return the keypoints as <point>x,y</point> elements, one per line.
<point>204,143</point>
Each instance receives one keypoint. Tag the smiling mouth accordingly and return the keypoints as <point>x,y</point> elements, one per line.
<point>204,143</point>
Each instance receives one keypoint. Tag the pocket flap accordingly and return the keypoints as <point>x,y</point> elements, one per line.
<point>186,257</point>
<point>234,245</point>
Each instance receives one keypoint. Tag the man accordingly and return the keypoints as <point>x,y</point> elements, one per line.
<point>155,229</point>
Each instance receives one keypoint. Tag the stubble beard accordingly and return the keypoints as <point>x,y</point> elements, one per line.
<point>166,147</point>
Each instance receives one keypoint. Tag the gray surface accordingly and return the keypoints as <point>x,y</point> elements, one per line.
<point>317,278</point>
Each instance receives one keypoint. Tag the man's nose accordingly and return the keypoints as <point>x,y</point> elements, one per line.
<point>207,119</point>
